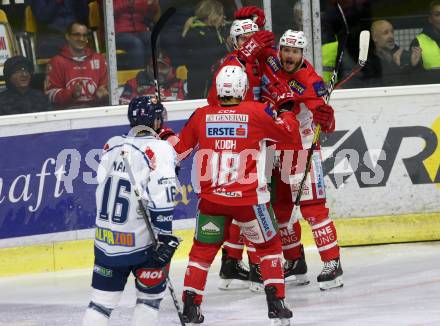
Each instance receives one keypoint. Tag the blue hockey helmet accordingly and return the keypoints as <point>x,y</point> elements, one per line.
<point>144,110</point>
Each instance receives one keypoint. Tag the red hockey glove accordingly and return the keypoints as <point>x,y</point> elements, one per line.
<point>251,12</point>
<point>324,115</point>
<point>164,133</point>
<point>252,48</point>
<point>281,96</point>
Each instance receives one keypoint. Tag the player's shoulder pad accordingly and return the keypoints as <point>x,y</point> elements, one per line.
<point>315,80</point>
<point>195,113</point>
<point>113,142</point>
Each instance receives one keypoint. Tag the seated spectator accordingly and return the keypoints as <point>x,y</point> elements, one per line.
<point>133,23</point>
<point>171,88</point>
<point>425,48</point>
<point>387,64</point>
<point>53,17</point>
<point>77,77</point>
<point>205,46</point>
<point>19,97</point>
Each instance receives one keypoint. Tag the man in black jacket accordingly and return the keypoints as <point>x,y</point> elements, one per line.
<point>19,97</point>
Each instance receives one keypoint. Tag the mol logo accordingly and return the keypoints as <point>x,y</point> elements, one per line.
<point>151,277</point>
<point>151,274</point>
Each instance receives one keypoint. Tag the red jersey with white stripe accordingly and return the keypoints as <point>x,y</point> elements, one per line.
<point>253,72</point>
<point>229,166</point>
<point>65,72</point>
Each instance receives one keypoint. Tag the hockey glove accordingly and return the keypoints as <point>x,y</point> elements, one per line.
<point>324,115</point>
<point>164,133</point>
<point>251,12</point>
<point>166,246</point>
<point>255,45</point>
<point>281,96</point>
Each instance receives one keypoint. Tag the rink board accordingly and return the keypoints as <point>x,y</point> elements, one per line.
<point>382,161</point>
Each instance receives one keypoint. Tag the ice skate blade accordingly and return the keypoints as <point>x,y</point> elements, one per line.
<point>279,322</point>
<point>336,283</point>
<point>256,287</point>
<point>233,284</point>
<point>297,280</point>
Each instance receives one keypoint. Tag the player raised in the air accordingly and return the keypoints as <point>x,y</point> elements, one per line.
<point>123,245</point>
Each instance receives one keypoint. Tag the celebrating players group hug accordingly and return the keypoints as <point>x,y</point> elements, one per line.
<point>264,105</point>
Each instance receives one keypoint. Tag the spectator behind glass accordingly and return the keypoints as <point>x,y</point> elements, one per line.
<point>19,97</point>
<point>133,22</point>
<point>204,46</point>
<point>171,88</point>
<point>53,17</point>
<point>77,77</point>
<point>425,48</point>
<point>387,64</point>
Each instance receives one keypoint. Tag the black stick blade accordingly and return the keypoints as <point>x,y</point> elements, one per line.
<point>154,36</point>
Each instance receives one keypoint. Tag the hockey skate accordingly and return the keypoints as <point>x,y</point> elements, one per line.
<point>331,275</point>
<point>191,311</point>
<point>295,271</point>
<point>233,274</point>
<point>255,279</point>
<point>278,312</point>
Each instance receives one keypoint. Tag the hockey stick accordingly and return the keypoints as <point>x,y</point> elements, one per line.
<point>154,36</point>
<point>364,42</point>
<point>153,235</point>
<point>330,88</point>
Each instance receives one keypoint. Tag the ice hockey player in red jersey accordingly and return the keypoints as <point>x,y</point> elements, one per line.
<point>248,43</point>
<point>229,170</point>
<point>288,68</point>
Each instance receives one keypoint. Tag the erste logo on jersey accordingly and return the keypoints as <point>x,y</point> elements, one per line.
<point>226,130</point>
<point>297,87</point>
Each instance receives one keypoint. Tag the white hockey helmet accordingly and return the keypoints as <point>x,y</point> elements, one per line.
<point>231,81</point>
<point>240,27</point>
<point>293,39</point>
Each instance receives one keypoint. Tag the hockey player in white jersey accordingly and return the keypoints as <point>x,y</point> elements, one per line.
<point>122,242</point>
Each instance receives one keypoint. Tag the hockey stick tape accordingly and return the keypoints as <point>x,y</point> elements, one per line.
<point>364,43</point>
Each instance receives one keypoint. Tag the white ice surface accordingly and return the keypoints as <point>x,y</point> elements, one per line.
<point>384,285</point>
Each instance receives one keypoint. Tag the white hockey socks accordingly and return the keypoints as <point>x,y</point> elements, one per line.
<point>100,307</point>
<point>146,313</point>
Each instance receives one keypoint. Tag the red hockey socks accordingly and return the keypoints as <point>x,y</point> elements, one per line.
<point>234,245</point>
<point>200,260</point>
